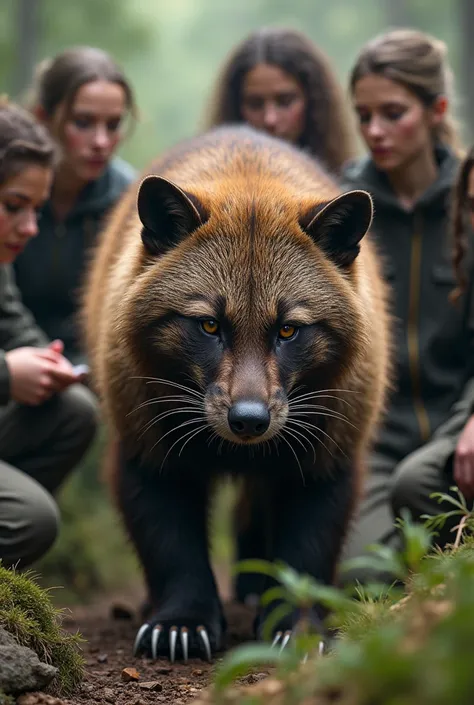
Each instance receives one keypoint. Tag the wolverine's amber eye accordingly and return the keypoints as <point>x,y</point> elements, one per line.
<point>287,332</point>
<point>210,326</point>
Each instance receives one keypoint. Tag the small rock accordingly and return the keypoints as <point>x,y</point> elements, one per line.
<point>109,695</point>
<point>130,674</point>
<point>197,672</point>
<point>20,668</point>
<point>153,686</point>
<point>102,658</point>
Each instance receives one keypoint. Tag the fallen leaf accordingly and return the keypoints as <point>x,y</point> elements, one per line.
<point>130,674</point>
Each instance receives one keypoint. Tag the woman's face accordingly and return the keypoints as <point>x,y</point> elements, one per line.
<point>395,125</point>
<point>92,131</point>
<point>21,197</point>
<point>274,101</point>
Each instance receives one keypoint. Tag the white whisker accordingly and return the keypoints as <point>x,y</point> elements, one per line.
<point>320,395</point>
<point>309,428</point>
<point>164,415</point>
<point>183,387</point>
<point>317,428</point>
<point>329,414</point>
<point>188,433</point>
<point>175,428</point>
<point>299,433</point>
<point>293,451</point>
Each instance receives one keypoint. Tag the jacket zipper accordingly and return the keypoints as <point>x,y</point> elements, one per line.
<point>413,333</point>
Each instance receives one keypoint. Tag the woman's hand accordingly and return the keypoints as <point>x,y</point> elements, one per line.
<point>464,460</point>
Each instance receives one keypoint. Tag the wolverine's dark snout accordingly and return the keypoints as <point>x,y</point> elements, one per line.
<point>248,417</point>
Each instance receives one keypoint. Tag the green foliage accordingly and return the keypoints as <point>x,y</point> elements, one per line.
<point>433,523</point>
<point>392,647</point>
<point>6,699</point>
<point>26,612</point>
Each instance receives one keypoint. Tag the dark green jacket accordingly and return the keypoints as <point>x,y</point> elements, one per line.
<point>433,339</point>
<point>49,271</point>
<point>17,327</point>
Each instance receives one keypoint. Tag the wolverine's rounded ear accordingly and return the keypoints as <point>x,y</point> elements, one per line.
<point>168,213</point>
<point>339,225</point>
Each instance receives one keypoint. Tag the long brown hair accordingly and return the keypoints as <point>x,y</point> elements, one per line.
<point>459,224</point>
<point>328,133</point>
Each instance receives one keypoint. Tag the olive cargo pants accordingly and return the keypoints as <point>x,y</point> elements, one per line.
<point>391,487</point>
<point>39,446</point>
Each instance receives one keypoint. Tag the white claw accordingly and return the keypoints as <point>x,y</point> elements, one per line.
<point>141,632</point>
<point>285,640</point>
<point>155,636</point>
<point>184,643</point>
<point>276,639</point>
<point>321,648</point>
<point>205,640</point>
<point>173,638</point>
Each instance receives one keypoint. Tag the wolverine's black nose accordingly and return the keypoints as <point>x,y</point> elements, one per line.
<point>249,418</point>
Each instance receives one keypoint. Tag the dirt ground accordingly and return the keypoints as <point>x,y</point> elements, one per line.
<point>109,628</point>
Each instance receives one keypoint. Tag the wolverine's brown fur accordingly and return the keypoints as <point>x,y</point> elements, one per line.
<point>251,200</point>
<point>281,191</point>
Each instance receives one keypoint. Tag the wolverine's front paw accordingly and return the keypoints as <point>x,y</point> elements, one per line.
<point>183,637</point>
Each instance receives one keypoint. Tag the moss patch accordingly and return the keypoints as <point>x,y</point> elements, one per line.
<point>26,612</point>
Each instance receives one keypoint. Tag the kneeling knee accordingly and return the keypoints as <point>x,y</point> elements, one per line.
<point>405,490</point>
<point>34,530</point>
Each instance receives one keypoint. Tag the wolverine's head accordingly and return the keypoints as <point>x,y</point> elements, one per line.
<point>245,293</point>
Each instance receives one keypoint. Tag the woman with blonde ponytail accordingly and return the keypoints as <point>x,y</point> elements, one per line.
<point>401,90</point>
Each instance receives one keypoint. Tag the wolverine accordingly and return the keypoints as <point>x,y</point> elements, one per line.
<point>236,322</point>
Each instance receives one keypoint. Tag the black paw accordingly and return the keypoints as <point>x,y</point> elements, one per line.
<point>172,638</point>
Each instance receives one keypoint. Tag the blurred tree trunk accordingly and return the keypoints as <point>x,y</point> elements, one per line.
<point>466,84</point>
<point>398,13</point>
<point>27,21</point>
